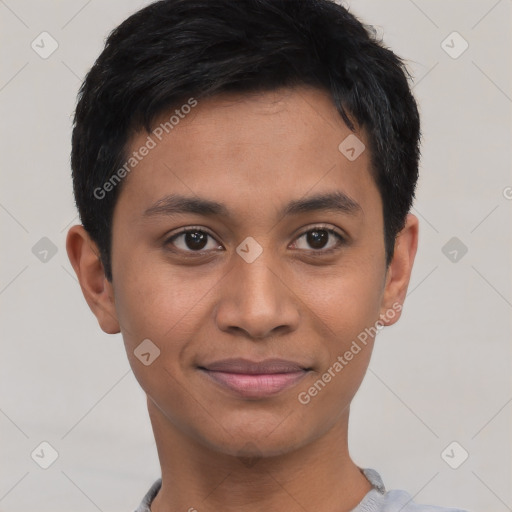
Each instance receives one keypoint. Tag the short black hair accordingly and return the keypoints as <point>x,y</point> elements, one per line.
<point>174,50</point>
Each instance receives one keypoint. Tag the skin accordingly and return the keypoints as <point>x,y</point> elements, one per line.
<point>255,154</point>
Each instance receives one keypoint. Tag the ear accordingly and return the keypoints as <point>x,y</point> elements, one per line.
<point>399,271</point>
<point>84,256</point>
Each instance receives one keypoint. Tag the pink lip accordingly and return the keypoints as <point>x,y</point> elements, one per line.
<point>255,379</point>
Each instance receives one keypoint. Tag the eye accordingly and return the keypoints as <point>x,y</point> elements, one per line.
<point>193,240</point>
<point>320,239</point>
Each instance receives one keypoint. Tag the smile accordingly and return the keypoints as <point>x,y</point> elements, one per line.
<point>252,379</point>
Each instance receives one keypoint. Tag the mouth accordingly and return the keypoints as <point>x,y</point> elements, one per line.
<point>250,379</point>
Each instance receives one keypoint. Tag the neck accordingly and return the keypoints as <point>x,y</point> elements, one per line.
<point>319,476</point>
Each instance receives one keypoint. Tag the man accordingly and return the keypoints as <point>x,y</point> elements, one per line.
<point>244,172</point>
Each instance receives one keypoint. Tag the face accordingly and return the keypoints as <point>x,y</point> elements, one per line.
<point>246,233</point>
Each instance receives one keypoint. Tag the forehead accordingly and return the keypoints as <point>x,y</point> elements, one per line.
<point>248,149</point>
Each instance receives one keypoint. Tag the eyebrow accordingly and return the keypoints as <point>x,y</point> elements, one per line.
<point>174,204</point>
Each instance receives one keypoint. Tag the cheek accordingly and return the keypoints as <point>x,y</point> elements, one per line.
<point>345,300</point>
<point>152,304</point>
<point>346,306</point>
<point>331,391</point>
<point>152,299</point>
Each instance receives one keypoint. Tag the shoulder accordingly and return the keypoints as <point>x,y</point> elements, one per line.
<point>380,500</point>
<point>145,504</point>
<point>395,500</point>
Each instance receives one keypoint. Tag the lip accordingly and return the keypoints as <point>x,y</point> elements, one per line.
<point>251,379</point>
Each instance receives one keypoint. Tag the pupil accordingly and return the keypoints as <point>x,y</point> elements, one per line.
<point>317,238</point>
<point>195,239</point>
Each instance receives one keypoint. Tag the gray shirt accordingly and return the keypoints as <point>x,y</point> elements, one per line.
<point>376,500</point>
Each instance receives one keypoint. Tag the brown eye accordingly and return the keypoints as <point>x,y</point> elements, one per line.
<point>319,239</point>
<point>193,240</point>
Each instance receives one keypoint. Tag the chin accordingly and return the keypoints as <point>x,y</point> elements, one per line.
<point>252,442</point>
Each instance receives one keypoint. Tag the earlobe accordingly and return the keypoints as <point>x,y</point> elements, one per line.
<point>84,256</point>
<point>399,271</point>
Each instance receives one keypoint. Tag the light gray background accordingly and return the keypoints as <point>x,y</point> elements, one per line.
<point>442,374</point>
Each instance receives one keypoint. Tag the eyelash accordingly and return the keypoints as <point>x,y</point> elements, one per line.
<point>319,252</point>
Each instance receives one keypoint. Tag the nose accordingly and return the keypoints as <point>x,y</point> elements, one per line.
<point>256,301</point>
